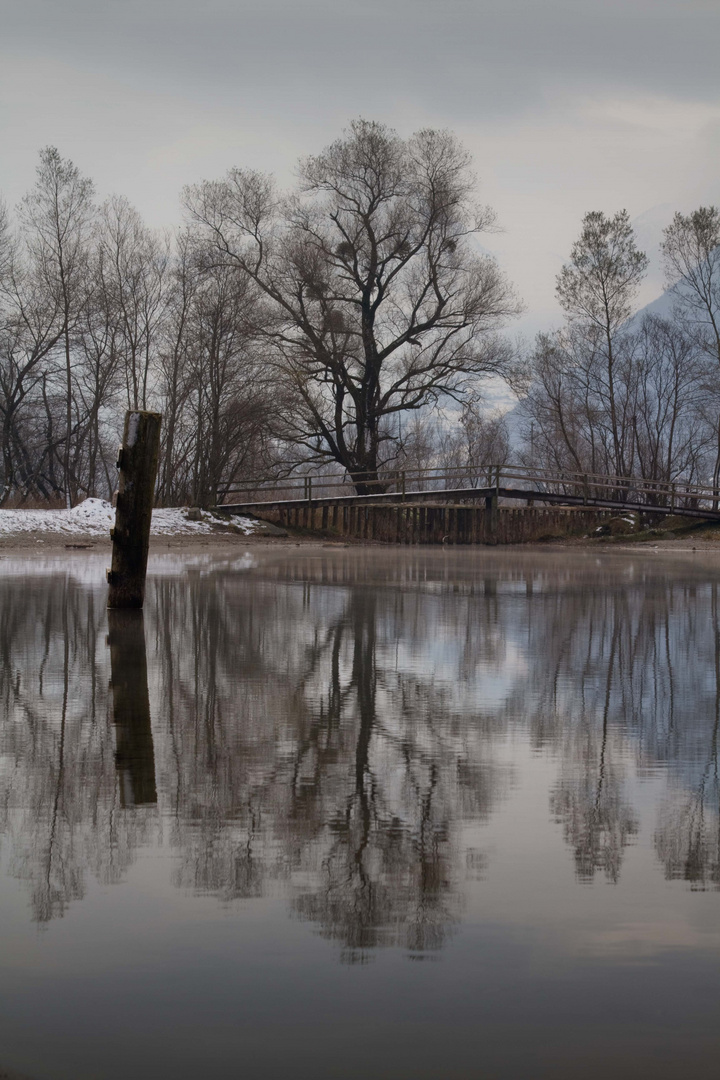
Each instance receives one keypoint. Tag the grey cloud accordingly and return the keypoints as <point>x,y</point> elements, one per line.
<point>463,56</point>
<point>149,94</point>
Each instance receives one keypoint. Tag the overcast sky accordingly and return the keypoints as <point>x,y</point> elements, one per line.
<point>566,105</point>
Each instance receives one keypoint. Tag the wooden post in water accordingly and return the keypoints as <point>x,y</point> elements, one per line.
<point>138,463</point>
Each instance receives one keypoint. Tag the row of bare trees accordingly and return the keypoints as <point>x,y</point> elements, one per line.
<point>271,330</point>
<point>98,314</point>
<point>615,393</point>
<point>350,323</point>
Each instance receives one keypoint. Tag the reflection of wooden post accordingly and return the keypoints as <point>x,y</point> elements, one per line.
<point>134,753</point>
<point>138,463</point>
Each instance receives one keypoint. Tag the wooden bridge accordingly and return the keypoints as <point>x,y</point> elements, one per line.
<point>429,505</point>
<point>462,485</point>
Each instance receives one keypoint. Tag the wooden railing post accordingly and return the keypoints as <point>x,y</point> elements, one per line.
<point>491,518</point>
<point>138,463</point>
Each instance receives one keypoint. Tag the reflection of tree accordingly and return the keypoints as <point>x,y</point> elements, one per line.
<point>58,786</point>
<point>597,821</point>
<point>588,800</point>
<point>327,729</point>
<point>339,769</point>
<point>687,838</point>
<point>621,661</point>
<point>386,854</point>
<point>688,834</point>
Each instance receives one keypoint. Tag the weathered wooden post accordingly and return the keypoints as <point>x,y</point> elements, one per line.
<point>138,463</point>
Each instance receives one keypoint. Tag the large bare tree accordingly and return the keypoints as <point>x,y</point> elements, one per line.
<point>377,299</point>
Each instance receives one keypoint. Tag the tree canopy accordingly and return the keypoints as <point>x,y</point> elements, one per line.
<point>376,299</point>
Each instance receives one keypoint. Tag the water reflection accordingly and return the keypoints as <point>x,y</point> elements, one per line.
<point>330,727</point>
<point>134,754</point>
<point>58,782</point>
<point>305,751</point>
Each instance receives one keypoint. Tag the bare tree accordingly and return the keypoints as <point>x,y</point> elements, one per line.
<point>691,249</point>
<point>31,325</point>
<point>376,301</point>
<point>133,268</point>
<point>477,443</point>
<point>174,384</point>
<point>228,403</point>
<point>596,289</point>
<point>213,384</point>
<point>57,216</point>
<point>659,393</point>
<point>668,392</point>
<point>418,439</point>
<point>569,424</point>
<point>98,385</point>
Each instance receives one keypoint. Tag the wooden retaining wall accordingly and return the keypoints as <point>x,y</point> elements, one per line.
<point>423,524</point>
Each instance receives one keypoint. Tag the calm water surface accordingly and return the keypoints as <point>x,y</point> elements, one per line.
<point>341,814</point>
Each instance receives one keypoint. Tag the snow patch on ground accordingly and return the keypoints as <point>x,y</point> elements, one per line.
<point>95,517</point>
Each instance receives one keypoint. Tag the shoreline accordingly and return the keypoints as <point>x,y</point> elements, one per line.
<point>224,542</point>
<point>86,528</point>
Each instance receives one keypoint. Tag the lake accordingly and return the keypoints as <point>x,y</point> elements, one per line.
<point>362,813</point>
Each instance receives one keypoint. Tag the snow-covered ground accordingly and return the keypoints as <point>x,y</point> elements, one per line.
<point>95,517</point>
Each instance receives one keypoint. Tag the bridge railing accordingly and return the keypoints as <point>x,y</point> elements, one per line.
<point>464,479</point>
